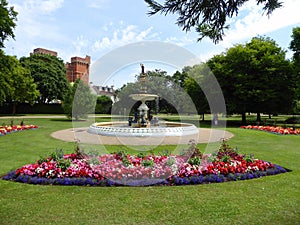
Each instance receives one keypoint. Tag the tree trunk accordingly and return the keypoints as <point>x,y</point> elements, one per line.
<point>244,118</point>
<point>270,116</point>
<point>14,110</point>
<point>258,118</point>
<point>203,116</point>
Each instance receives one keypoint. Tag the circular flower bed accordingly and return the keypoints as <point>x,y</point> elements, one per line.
<point>10,129</point>
<point>272,129</point>
<point>119,169</point>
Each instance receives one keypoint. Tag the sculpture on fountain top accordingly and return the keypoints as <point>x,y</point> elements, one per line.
<point>143,79</point>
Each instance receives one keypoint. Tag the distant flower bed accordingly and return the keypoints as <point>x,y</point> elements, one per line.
<point>10,129</point>
<point>272,129</point>
<point>121,169</point>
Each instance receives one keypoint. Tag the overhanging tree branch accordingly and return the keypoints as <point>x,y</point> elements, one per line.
<point>208,17</point>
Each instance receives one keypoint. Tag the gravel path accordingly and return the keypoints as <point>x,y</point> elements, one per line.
<point>205,135</point>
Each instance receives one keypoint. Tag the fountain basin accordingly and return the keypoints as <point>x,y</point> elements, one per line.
<point>121,129</point>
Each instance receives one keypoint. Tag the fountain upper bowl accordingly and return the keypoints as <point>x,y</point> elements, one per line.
<point>143,97</point>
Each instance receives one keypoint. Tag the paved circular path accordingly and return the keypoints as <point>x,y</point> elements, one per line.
<point>205,135</point>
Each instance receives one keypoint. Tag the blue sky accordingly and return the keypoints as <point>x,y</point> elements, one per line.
<point>96,27</point>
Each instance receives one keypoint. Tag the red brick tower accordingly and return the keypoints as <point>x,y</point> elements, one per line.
<point>78,68</point>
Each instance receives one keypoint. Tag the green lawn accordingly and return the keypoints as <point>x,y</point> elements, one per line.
<point>267,200</point>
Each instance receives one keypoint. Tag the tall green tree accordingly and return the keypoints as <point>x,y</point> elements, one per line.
<point>192,84</point>
<point>208,17</point>
<point>295,44</point>
<point>18,85</point>
<point>24,88</point>
<point>8,16</point>
<point>7,24</point>
<point>79,101</point>
<point>49,74</point>
<point>179,77</point>
<point>295,47</point>
<point>5,77</point>
<point>255,77</point>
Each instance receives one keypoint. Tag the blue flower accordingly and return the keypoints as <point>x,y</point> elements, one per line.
<point>250,176</point>
<point>220,178</point>
<point>186,180</point>
<point>110,183</point>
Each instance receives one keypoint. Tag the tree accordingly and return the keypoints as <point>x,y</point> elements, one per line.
<point>18,85</point>
<point>49,74</point>
<point>179,78</point>
<point>295,47</point>
<point>295,44</point>
<point>194,77</point>
<point>79,101</point>
<point>208,17</point>
<point>255,77</point>
<point>172,97</point>
<point>5,77</point>
<point>7,22</point>
<point>23,86</point>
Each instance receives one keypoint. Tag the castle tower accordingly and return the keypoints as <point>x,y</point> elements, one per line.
<point>78,68</point>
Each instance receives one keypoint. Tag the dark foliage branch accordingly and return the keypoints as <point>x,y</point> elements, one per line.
<point>7,22</point>
<point>208,17</point>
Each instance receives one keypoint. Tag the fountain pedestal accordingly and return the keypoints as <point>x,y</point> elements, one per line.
<point>143,108</point>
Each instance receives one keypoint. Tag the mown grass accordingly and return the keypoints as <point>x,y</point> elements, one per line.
<point>268,200</point>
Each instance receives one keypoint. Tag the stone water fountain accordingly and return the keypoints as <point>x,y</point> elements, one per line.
<point>140,125</point>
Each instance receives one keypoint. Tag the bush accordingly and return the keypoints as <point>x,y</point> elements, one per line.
<point>103,105</point>
<point>293,120</point>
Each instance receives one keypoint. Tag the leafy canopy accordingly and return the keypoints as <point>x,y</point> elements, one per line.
<point>208,17</point>
<point>5,77</point>
<point>49,74</point>
<point>255,77</point>
<point>172,97</point>
<point>295,44</point>
<point>17,85</point>
<point>295,47</point>
<point>79,101</point>
<point>7,22</point>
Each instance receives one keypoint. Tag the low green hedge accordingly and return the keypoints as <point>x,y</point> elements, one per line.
<point>32,109</point>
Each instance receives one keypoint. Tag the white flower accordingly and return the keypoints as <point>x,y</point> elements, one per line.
<point>38,170</point>
<point>174,169</point>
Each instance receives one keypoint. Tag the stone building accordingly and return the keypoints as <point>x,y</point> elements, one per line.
<point>103,90</point>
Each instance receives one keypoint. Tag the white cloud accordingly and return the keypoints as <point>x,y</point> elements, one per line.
<point>37,7</point>
<point>36,26</point>
<point>256,23</point>
<point>80,45</point>
<point>97,4</point>
<point>29,22</point>
<point>121,36</point>
<point>182,41</point>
